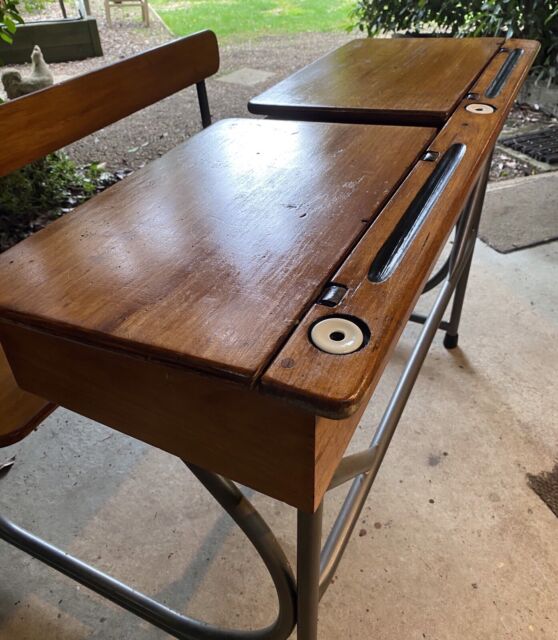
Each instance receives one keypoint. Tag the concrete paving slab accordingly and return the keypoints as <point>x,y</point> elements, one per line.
<point>246,77</point>
<point>452,544</point>
<point>521,212</point>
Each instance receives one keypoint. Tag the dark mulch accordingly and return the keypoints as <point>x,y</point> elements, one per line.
<point>522,118</point>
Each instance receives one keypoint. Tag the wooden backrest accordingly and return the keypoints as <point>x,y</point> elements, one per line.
<point>44,121</point>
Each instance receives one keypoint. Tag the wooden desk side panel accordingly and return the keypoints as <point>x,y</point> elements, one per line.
<point>20,412</point>
<point>216,424</point>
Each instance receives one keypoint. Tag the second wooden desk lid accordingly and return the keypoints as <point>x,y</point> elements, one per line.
<point>398,80</point>
<point>210,255</point>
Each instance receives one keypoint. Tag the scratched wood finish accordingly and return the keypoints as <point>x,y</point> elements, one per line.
<point>210,254</point>
<point>214,423</point>
<point>45,121</point>
<point>20,412</point>
<point>337,386</point>
<point>373,80</point>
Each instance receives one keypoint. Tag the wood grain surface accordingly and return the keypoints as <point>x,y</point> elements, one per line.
<point>37,124</point>
<point>213,258</point>
<point>20,412</point>
<point>374,80</point>
<point>338,386</point>
<point>209,255</point>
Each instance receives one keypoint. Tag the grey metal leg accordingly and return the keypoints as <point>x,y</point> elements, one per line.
<point>452,334</point>
<point>178,625</point>
<point>204,104</point>
<point>309,540</point>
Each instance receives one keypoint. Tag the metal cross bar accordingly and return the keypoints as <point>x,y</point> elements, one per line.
<point>419,318</point>
<point>246,517</point>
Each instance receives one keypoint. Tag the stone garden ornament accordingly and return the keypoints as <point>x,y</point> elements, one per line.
<point>40,77</point>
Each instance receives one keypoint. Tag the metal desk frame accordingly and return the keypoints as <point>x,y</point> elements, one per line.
<point>298,599</point>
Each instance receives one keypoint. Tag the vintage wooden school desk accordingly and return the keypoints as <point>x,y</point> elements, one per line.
<point>235,302</point>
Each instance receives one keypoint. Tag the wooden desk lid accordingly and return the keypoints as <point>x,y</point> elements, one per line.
<point>210,255</point>
<point>399,80</point>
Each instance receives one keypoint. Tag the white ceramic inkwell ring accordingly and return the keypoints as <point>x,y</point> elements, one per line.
<point>479,108</point>
<point>337,335</point>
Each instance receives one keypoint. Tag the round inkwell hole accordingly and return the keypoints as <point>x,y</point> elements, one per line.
<point>480,109</point>
<point>339,334</point>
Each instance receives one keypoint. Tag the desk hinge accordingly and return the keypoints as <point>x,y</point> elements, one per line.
<point>332,295</point>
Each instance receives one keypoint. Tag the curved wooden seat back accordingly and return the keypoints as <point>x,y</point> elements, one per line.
<point>37,124</point>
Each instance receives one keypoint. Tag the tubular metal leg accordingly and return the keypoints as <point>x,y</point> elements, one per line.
<point>204,104</point>
<point>309,540</point>
<point>452,334</point>
<point>180,626</point>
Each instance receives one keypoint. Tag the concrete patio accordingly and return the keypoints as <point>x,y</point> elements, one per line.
<point>453,544</point>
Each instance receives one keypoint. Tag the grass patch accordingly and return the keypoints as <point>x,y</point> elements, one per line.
<point>248,18</point>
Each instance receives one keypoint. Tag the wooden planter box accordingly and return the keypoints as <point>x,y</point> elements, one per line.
<point>60,41</point>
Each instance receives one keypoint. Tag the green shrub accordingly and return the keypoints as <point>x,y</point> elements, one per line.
<point>42,191</point>
<point>531,19</point>
<point>9,18</point>
<point>42,185</point>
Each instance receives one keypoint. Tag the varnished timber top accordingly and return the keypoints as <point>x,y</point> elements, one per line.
<point>372,80</point>
<point>210,255</point>
<point>340,385</point>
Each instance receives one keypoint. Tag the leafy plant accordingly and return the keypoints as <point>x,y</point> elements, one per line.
<point>33,6</point>
<point>378,16</point>
<point>531,19</point>
<point>44,190</point>
<point>9,18</point>
<point>41,185</point>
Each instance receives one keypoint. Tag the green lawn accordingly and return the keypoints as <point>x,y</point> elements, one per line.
<point>244,18</point>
